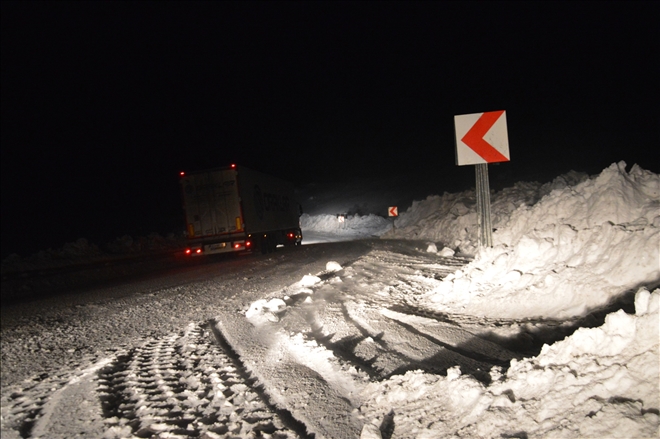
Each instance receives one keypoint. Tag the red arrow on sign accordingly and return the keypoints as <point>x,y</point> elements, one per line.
<point>474,138</point>
<point>393,211</point>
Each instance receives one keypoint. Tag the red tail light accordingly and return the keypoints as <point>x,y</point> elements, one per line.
<point>199,250</point>
<point>188,251</point>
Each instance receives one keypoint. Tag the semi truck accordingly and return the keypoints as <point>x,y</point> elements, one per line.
<point>236,209</point>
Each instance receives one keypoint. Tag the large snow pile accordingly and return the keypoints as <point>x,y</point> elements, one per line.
<point>599,382</point>
<point>452,217</point>
<point>345,225</point>
<point>560,250</point>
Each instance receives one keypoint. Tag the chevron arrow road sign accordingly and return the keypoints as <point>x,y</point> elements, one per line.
<point>481,138</point>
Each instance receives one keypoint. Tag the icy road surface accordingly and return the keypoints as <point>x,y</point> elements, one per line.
<point>192,353</point>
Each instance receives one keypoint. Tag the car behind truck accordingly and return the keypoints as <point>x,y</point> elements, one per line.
<point>234,209</point>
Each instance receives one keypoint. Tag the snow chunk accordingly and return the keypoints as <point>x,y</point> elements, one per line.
<point>333,266</point>
<point>263,310</point>
<point>642,300</point>
<point>370,431</point>
<point>446,252</point>
<point>453,373</point>
<point>432,248</point>
<point>308,280</point>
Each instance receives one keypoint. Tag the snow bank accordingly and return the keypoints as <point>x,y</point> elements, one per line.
<point>452,218</point>
<point>599,382</point>
<point>83,263</point>
<point>82,251</point>
<point>71,252</point>
<point>560,250</point>
<point>352,225</point>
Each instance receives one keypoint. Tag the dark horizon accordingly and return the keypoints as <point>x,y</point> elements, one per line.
<point>104,103</point>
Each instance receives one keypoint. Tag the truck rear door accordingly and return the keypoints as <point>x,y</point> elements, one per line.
<point>211,203</point>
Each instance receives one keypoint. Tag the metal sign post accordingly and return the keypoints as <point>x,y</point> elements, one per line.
<point>483,206</point>
<point>482,138</point>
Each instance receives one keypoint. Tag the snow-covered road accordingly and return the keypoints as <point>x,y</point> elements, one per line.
<point>175,354</point>
<point>51,341</point>
<point>552,332</point>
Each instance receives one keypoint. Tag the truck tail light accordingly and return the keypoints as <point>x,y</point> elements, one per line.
<point>198,251</point>
<point>188,251</point>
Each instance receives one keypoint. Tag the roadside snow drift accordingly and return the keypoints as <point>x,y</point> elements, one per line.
<point>560,249</point>
<point>317,228</point>
<point>598,383</point>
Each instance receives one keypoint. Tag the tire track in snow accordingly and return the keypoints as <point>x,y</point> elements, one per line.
<point>362,332</point>
<point>301,378</point>
<point>185,385</point>
<point>25,406</point>
<point>399,346</point>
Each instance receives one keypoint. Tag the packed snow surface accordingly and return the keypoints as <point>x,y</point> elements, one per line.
<point>420,338</point>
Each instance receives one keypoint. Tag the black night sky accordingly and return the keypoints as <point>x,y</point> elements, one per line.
<point>103,103</point>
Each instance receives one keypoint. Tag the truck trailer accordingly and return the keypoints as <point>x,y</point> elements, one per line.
<point>236,209</point>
